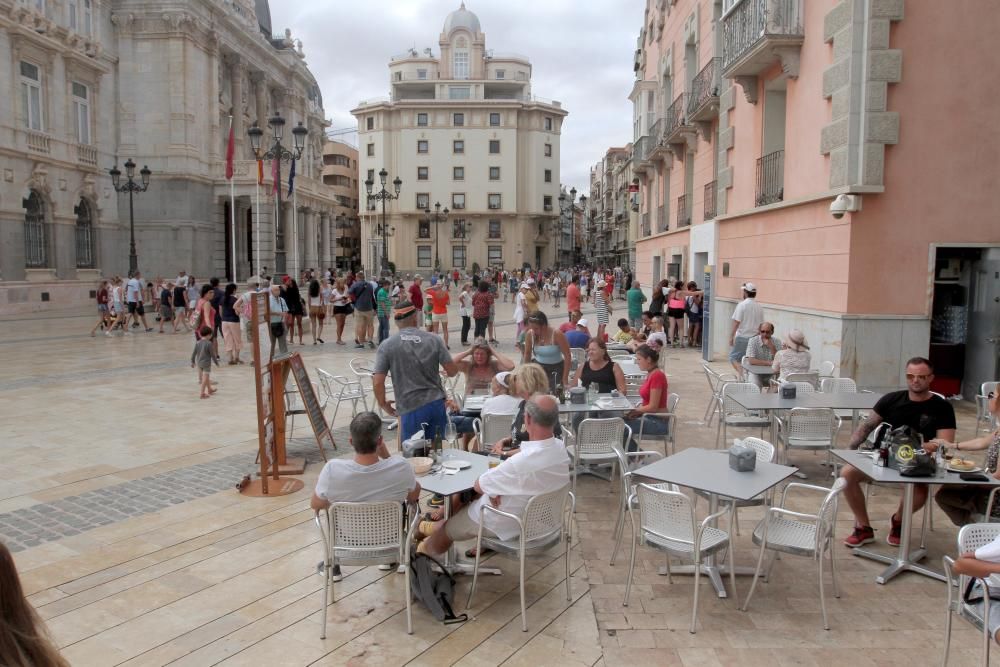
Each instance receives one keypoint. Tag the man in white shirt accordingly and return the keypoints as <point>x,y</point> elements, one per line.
<point>541,466</point>
<point>371,476</point>
<point>747,319</point>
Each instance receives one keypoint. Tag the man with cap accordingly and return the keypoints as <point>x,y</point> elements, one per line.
<point>747,319</point>
<point>574,317</point>
<point>579,336</point>
<point>413,358</point>
<point>440,300</point>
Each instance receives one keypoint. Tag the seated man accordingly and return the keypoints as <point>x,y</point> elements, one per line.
<point>916,407</point>
<point>624,334</point>
<point>580,336</point>
<point>574,317</point>
<point>371,476</point>
<point>541,466</point>
<point>760,352</point>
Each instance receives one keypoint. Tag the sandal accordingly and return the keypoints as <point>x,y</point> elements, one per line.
<point>471,553</point>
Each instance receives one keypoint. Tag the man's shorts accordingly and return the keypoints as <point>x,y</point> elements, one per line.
<point>132,307</point>
<point>461,527</point>
<point>365,316</point>
<point>739,349</point>
<point>102,307</point>
<point>443,318</point>
<point>434,414</point>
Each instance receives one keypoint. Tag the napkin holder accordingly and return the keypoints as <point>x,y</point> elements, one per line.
<point>578,395</point>
<point>742,458</point>
<point>417,445</point>
<point>788,390</point>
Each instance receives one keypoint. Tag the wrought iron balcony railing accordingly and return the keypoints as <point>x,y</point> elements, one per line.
<point>703,101</point>
<point>710,194</point>
<point>770,178</point>
<point>750,30</point>
<point>683,211</point>
<point>661,218</point>
<point>675,118</point>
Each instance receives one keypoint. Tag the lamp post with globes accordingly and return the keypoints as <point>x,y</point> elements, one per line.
<point>384,195</point>
<point>438,217</point>
<point>130,187</point>
<point>278,152</point>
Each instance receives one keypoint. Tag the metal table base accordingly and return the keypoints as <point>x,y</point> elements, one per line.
<point>451,561</point>
<point>905,559</point>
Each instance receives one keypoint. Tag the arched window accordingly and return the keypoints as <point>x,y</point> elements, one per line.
<point>35,241</point>
<point>84,236</point>
<point>460,59</point>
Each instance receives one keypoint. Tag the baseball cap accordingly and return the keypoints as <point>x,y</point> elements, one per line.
<point>530,281</point>
<point>601,283</point>
<point>501,378</point>
<point>582,322</point>
<point>750,287</point>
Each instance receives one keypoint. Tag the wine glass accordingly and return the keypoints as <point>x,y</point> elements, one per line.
<point>451,434</point>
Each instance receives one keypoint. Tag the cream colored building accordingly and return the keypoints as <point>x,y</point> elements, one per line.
<point>462,129</point>
<point>340,174</point>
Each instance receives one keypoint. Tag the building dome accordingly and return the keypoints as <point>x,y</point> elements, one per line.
<point>462,18</point>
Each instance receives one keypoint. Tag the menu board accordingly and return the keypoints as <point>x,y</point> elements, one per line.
<point>311,403</point>
<point>261,344</point>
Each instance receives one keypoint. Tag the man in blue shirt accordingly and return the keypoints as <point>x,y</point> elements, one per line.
<point>580,336</point>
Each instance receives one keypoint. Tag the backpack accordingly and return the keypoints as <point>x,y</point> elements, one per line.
<point>435,590</point>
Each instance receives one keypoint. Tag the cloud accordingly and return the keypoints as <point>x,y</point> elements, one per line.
<point>580,51</point>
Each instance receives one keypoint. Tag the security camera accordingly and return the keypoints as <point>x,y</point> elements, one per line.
<point>845,204</point>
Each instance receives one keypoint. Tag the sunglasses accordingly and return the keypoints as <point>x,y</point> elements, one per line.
<point>911,376</point>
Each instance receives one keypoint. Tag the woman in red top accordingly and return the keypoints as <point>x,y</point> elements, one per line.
<point>103,319</point>
<point>654,397</point>
<point>482,301</point>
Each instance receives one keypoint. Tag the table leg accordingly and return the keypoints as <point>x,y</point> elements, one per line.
<point>905,559</point>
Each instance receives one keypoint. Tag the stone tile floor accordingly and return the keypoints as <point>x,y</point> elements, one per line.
<point>133,546</point>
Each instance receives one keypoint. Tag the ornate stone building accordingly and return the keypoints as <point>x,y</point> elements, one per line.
<point>96,82</point>
<point>462,129</point>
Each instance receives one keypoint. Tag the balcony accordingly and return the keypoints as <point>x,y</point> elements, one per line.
<point>703,101</point>
<point>677,131</point>
<point>38,141</point>
<point>770,178</point>
<point>640,154</point>
<point>711,191</point>
<point>661,218</point>
<point>758,33</point>
<point>645,225</point>
<point>86,155</point>
<point>658,149</point>
<point>684,211</point>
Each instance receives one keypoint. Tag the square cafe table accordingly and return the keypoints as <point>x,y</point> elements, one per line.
<point>447,485</point>
<point>905,558</point>
<point>709,471</point>
<point>840,400</point>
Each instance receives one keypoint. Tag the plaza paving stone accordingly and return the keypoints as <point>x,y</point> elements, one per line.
<point>132,544</point>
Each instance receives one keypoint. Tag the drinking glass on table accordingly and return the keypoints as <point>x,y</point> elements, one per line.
<point>451,434</point>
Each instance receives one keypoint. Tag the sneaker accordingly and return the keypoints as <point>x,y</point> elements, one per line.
<point>860,536</point>
<point>895,530</point>
<point>337,576</point>
<point>371,345</point>
<point>436,501</point>
<point>359,346</point>
<point>387,567</point>
<point>148,329</point>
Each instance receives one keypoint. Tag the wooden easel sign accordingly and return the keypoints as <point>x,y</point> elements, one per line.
<point>311,402</point>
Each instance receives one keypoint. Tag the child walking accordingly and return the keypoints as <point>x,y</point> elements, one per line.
<point>203,356</point>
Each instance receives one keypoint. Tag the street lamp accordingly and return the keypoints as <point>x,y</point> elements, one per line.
<point>277,151</point>
<point>130,187</point>
<point>384,195</point>
<point>439,217</point>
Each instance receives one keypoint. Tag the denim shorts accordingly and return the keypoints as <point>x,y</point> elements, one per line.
<point>434,414</point>
<point>739,349</point>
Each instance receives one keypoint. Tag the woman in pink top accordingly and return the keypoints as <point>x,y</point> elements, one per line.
<point>573,295</point>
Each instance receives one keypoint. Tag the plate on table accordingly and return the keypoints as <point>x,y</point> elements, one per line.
<point>456,464</point>
<point>963,465</point>
<point>607,403</point>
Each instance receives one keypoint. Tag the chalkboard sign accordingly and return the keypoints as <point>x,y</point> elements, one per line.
<point>706,316</point>
<point>311,403</point>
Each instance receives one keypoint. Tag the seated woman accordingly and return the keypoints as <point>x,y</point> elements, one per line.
<point>598,368</point>
<point>961,502</point>
<point>501,402</point>
<point>526,381</point>
<point>548,348</point>
<point>794,357</point>
<point>480,364</point>
<point>654,397</point>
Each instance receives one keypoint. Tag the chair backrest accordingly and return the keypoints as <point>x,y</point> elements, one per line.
<point>989,387</point>
<point>577,356</point>
<point>812,378</point>
<point>763,449</point>
<point>828,513</point>
<point>494,428</point>
<point>365,531</point>
<point>811,423</point>
<point>665,512</point>
<point>327,382</point>
<point>619,354</point>
<point>731,407</point>
<point>600,436</point>
<point>802,387</point>
<point>971,537</point>
<point>632,387</point>
<point>545,514</point>
<point>838,386</point>
<point>827,368</point>
<point>362,367</point>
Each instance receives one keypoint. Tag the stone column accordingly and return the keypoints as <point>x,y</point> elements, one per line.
<point>325,241</point>
<point>260,104</point>
<point>290,240</point>
<point>311,258</point>
<point>236,69</point>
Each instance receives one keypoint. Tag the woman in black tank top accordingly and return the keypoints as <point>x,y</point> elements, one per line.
<point>599,368</point>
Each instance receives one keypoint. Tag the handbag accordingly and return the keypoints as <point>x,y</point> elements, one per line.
<point>907,455</point>
<point>277,329</point>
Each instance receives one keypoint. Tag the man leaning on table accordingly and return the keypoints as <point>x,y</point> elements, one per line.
<point>541,466</point>
<point>916,407</point>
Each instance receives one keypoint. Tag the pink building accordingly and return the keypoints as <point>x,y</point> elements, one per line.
<point>754,119</point>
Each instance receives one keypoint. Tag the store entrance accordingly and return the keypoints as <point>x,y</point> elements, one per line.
<point>965,320</point>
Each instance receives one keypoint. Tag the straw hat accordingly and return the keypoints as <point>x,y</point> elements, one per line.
<point>796,340</point>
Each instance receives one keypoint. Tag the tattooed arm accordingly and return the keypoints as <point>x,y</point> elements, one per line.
<point>864,430</point>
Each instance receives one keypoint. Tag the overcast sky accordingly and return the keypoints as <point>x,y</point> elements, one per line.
<point>580,51</point>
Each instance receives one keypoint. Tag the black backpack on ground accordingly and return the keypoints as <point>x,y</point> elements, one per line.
<point>435,589</point>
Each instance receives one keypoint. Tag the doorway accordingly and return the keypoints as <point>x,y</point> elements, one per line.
<point>965,320</point>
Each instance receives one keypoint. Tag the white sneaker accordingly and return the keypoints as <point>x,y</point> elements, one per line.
<point>387,567</point>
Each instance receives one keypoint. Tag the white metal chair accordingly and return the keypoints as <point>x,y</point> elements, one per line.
<point>765,452</point>
<point>365,534</point>
<point>595,443</point>
<point>667,522</point>
<point>627,462</point>
<point>800,387</point>
<point>983,415</point>
<point>619,354</point>
<point>632,387</point>
<point>800,534</point>
<point>577,356</point>
<point>826,369</point>
<point>490,428</point>
<point>807,428</point>
<point>715,382</point>
<point>338,388</point>
<point>732,413</point>
<point>544,524</point>
<point>970,538</point>
<point>812,377</point>
<point>364,369</point>
<point>670,416</point>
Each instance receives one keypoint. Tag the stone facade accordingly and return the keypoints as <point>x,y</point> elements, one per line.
<point>340,174</point>
<point>157,85</point>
